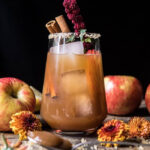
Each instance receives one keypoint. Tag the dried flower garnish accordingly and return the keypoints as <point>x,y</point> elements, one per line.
<point>139,127</point>
<point>73,13</point>
<point>113,130</point>
<point>24,121</point>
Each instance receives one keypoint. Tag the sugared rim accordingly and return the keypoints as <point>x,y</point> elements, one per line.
<point>69,34</point>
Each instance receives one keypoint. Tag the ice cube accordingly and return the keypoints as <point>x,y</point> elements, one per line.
<point>83,105</point>
<point>73,82</point>
<point>70,48</point>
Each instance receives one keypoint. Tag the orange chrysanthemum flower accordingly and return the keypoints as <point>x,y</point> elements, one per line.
<point>113,130</point>
<point>139,127</point>
<point>24,121</point>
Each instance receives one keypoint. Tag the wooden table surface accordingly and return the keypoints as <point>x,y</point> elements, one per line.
<point>142,111</point>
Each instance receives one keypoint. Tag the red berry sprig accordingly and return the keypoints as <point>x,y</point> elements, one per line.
<point>73,12</point>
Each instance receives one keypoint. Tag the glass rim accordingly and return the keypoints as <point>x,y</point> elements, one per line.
<point>69,34</point>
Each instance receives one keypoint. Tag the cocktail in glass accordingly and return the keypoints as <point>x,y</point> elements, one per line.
<point>73,90</point>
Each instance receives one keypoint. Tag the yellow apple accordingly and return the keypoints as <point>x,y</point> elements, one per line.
<point>38,97</point>
<point>15,96</point>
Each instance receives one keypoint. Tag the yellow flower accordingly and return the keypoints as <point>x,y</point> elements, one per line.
<point>113,130</point>
<point>24,121</point>
<point>139,127</point>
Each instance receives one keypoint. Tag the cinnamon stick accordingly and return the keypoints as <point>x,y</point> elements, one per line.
<point>62,23</point>
<point>94,79</point>
<point>48,83</point>
<point>53,27</point>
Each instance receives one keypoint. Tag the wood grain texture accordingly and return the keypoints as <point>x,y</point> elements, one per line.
<point>142,111</point>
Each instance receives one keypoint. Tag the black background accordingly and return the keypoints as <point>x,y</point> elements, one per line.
<point>23,37</point>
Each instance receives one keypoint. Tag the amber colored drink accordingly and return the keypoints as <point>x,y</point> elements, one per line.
<point>73,92</point>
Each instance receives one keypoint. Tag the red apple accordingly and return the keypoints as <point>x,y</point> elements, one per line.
<point>123,94</point>
<point>147,98</point>
<point>15,96</point>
